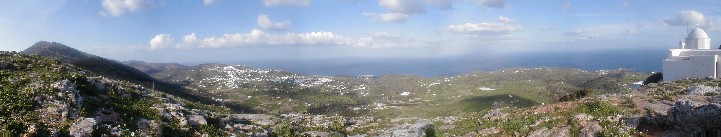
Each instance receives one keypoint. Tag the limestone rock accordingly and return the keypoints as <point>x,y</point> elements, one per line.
<point>489,131</point>
<point>588,127</point>
<point>196,120</point>
<point>553,132</point>
<point>701,90</point>
<point>495,114</point>
<point>694,118</point>
<point>149,127</point>
<point>83,128</point>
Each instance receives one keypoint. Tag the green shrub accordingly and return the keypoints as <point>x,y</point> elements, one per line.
<point>598,108</point>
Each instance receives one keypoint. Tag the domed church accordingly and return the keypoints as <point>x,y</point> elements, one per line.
<point>693,58</point>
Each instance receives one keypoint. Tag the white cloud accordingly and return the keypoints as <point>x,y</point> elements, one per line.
<point>120,7</point>
<point>566,5</point>
<point>400,10</point>
<point>504,26</point>
<point>683,18</point>
<point>298,3</point>
<point>692,18</point>
<point>208,2</point>
<point>260,38</point>
<point>253,38</point>
<point>504,19</point>
<point>265,23</point>
<point>161,41</point>
<point>492,3</point>
<point>388,17</point>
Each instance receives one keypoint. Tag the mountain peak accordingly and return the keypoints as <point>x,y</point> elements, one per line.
<point>56,50</point>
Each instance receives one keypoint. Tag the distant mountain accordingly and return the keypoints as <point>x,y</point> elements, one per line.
<point>152,68</point>
<point>57,50</point>
<point>102,66</point>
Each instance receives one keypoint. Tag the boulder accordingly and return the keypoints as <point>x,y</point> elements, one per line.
<point>494,114</point>
<point>196,120</point>
<point>149,127</point>
<point>83,127</point>
<point>489,131</point>
<point>688,116</point>
<point>588,127</point>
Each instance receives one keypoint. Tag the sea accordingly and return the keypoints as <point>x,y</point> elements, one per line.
<point>643,60</point>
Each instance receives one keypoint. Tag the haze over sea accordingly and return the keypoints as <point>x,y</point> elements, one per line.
<point>644,60</point>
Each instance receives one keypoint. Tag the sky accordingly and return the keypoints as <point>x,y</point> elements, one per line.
<point>227,30</point>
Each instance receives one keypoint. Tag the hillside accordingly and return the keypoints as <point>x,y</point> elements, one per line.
<point>47,97</point>
<point>116,70</point>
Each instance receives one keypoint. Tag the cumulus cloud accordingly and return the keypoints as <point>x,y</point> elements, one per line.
<point>388,17</point>
<point>298,3</point>
<point>265,23</point>
<point>260,38</point>
<point>566,5</point>
<point>161,41</point>
<point>503,26</point>
<point>400,10</point>
<point>253,38</point>
<point>683,18</point>
<point>120,7</point>
<point>692,18</point>
<point>492,3</point>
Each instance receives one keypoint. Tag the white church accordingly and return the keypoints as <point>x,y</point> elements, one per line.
<point>693,58</point>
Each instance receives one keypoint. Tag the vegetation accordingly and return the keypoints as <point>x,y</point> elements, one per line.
<point>654,78</point>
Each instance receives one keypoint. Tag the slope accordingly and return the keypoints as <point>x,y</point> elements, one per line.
<point>116,70</point>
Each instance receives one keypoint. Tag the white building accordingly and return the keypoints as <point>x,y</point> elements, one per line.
<point>693,58</point>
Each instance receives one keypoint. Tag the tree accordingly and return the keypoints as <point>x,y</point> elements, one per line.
<point>654,78</point>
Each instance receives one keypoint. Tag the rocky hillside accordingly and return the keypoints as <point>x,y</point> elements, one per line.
<point>116,70</point>
<point>46,97</point>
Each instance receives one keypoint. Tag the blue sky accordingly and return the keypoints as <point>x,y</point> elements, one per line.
<point>224,30</point>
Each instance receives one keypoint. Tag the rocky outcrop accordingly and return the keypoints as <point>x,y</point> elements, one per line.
<point>690,115</point>
<point>149,127</point>
<point>416,129</point>
<point>589,128</point>
<point>701,90</point>
<point>494,114</point>
<point>489,131</point>
<point>196,120</point>
<point>83,127</point>
<point>553,132</point>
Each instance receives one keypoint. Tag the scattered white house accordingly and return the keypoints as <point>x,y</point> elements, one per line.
<point>693,58</point>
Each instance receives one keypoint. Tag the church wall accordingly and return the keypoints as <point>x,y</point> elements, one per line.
<point>695,66</point>
<point>698,52</point>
